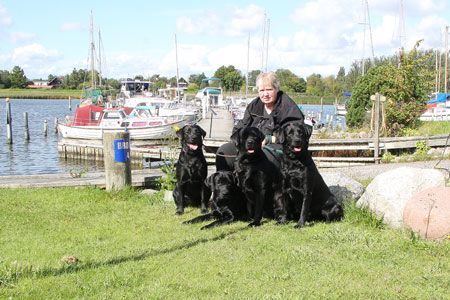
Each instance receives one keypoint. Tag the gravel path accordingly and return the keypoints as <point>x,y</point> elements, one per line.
<point>371,171</point>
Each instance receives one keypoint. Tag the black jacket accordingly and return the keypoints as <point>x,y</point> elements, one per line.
<point>284,111</point>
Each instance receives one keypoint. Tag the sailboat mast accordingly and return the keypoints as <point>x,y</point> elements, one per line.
<point>263,39</point>
<point>176,58</point>
<point>92,53</point>
<point>248,62</point>
<point>267,42</point>
<point>99,58</point>
<point>446,59</point>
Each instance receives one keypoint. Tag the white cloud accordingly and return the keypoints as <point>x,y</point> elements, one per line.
<point>5,18</point>
<point>73,26</point>
<point>21,37</point>
<point>231,22</point>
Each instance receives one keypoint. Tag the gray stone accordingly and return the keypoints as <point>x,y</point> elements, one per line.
<point>389,192</point>
<point>342,186</point>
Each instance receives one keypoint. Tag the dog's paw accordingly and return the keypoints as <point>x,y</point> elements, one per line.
<point>298,226</point>
<point>204,210</point>
<point>281,222</point>
<point>179,212</point>
<point>254,224</point>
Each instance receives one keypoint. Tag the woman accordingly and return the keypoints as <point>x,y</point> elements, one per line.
<point>270,110</point>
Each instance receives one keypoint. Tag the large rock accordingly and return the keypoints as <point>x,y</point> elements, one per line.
<point>428,213</point>
<point>388,193</point>
<point>343,187</point>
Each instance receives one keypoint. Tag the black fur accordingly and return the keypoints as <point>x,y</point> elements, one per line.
<point>228,204</point>
<point>258,178</point>
<point>191,170</point>
<point>308,197</point>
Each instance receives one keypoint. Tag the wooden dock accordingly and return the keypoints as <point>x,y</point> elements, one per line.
<point>218,131</point>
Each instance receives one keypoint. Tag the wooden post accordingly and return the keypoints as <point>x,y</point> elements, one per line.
<point>45,127</point>
<point>376,114</point>
<point>70,103</point>
<point>27,130</point>
<point>56,125</point>
<point>116,147</point>
<point>8,121</point>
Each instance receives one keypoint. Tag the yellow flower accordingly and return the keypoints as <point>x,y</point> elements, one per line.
<point>176,128</point>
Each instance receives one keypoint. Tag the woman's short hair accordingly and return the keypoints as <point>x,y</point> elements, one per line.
<point>268,78</point>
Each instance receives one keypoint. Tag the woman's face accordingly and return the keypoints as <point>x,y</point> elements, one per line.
<point>267,94</point>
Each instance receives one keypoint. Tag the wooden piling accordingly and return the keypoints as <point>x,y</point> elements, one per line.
<point>56,125</point>
<point>70,103</point>
<point>117,158</point>
<point>25,126</point>
<point>45,127</point>
<point>8,121</point>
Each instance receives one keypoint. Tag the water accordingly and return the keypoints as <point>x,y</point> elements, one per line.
<point>39,155</point>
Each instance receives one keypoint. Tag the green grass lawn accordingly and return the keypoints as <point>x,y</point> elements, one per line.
<point>132,246</point>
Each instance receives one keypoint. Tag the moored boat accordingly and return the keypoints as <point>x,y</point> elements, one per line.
<point>438,108</point>
<point>91,121</point>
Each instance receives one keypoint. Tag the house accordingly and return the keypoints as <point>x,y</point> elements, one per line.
<point>45,84</point>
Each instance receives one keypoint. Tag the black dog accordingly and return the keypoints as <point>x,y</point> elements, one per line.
<point>191,170</point>
<point>228,204</point>
<point>309,198</point>
<point>258,178</point>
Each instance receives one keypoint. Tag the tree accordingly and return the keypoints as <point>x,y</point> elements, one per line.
<point>315,85</point>
<point>196,78</point>
<point>229,76</point>
<point>290,82</point>
<point>193,88</point>
<point>252,77</point>
<point>233,81</point>
<point>5,82</point>
<point>405,86</point>
<point>18,79</point>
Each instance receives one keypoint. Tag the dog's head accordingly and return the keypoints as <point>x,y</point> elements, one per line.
<point>295,138</point>
<point>222,184</point>
<point>248,140</point>
<point>191,137</point>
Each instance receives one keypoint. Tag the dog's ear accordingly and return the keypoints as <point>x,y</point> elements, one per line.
<point>209,182</point>
<point>235,137</point>
<point>180,132</point>
<point>308,130</point>
<point>279,133</point>
<point>202,131</point>
<point>261,135</point>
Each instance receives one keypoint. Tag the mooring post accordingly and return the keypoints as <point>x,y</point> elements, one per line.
<point>27,130</point>
<point>56,125</point>
<point>45,127</point>
<point>117,159</point>
<point>70,103</point>
<point>8,121</point>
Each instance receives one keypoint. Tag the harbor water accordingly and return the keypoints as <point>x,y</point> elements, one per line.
<point>39,155</point>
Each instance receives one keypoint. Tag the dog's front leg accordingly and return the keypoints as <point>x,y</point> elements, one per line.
<point>304,213</point>
<point>178,196</point>
<point>206,194</point>
<point>259,207</point>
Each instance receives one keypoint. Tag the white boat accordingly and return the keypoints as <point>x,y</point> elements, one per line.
<point>91,121</point>
<point>438,108</point>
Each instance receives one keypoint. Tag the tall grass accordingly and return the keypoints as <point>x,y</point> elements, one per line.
<point>131,246</point>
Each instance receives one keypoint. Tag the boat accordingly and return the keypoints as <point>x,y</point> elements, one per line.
<point>438,108</point>
<point>340,107</point>
<point>91,121</point>
<point>210,95</point>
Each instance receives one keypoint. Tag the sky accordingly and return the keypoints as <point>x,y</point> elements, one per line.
<point>138,37</point>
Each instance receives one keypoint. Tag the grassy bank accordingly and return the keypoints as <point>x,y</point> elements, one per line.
<point>89,244</point>
<point>39,94</point>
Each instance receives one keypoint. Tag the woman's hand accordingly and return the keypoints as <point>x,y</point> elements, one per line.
<point>270,139</point>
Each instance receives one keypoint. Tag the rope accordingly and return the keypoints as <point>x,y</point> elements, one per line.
<point>436,166</point>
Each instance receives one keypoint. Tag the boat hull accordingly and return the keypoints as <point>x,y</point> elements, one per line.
<point>136,133</point>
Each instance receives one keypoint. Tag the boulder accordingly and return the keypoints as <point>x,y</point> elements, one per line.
<point>428,213</point>
<point>342,186</point>
<point>387,194</point>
